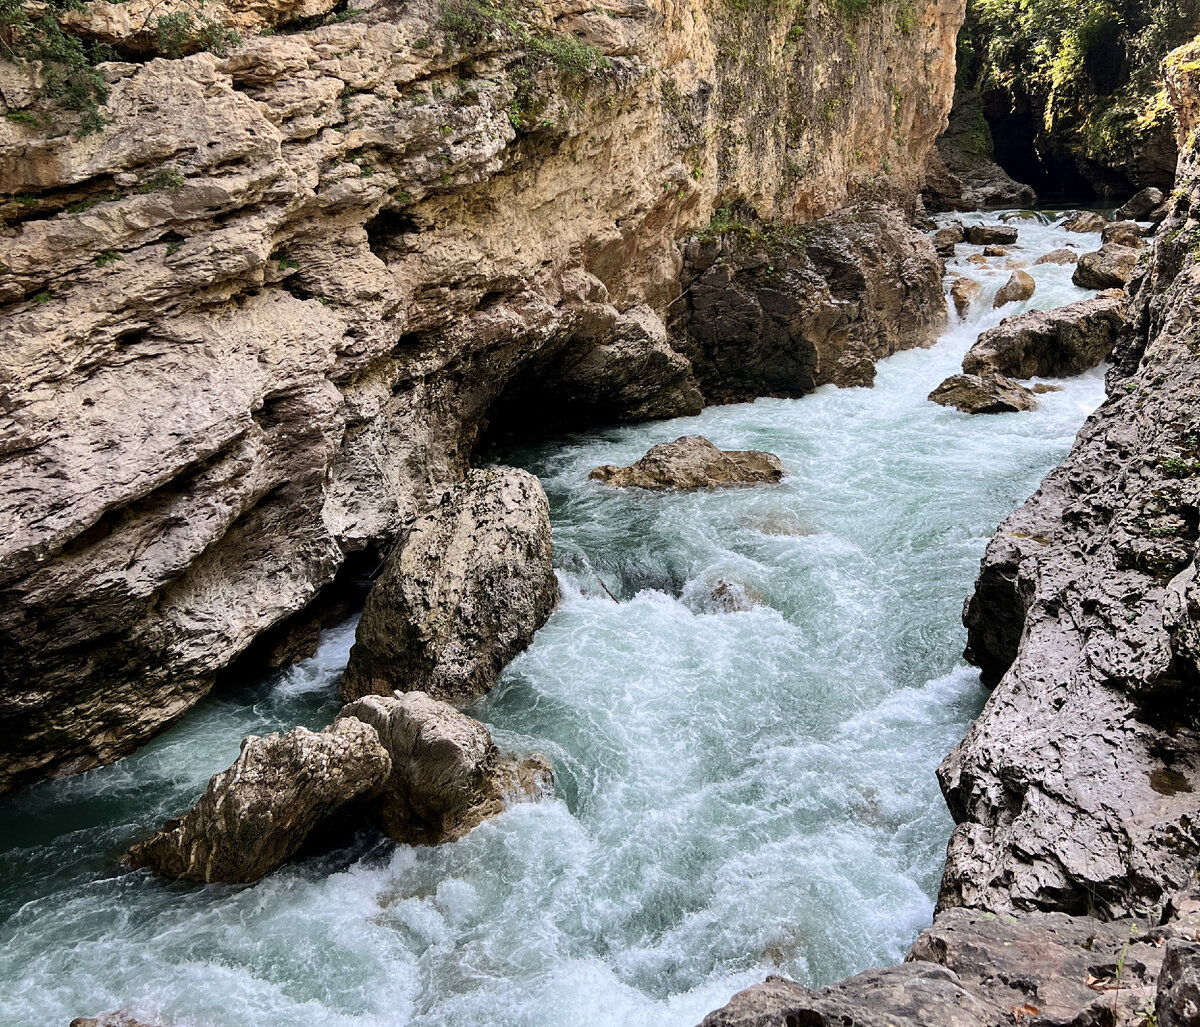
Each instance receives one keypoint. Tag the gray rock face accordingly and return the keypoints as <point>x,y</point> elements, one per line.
<point>984,394</point>
<point>447,775</point>
<point>1020,286</point>
<point>1109,267</point>
<point>1084,221</point>
<point>1049,343</point>
<point>258,813</point>
<point>1177,1001</point>
<point>461,595</point>
<point>692,462</point>
<point>817,305</point>
<point>1139,206</point>
<point>991,235</point>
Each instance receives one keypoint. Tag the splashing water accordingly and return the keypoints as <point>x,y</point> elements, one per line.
<point>745,746</point>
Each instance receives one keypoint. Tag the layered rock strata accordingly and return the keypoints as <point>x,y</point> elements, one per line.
<point>692,462</point>
<point>256,321</point>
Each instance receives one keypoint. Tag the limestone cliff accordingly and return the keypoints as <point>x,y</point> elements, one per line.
<point>258,316</point>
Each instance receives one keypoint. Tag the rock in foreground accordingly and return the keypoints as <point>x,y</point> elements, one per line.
<point>279,792</point>
<point>1109,267</point>
<point>692,462</point>
<point>1048,343</point>
<point>447,775</point>
<point>983,394</point>
<point>462,594</point>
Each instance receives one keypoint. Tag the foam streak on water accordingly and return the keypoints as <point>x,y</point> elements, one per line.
<point>739,792</point>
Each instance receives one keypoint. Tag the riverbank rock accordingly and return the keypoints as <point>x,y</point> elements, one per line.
<point>1059,256</point>
<point>461,595</point>
<point>1123,233</point>
<point>991,235</point>
<point>983,394</point>
<point>1083,221</point>
<point>945,239</point>
<point>447,775</point>
<point>1109,267</point>
<point>1053,343</point>
<point>281,790</point>
<point>692,462</point>
<point>1140,205</point>
<point>1020,286</point>
<point>964,292</point>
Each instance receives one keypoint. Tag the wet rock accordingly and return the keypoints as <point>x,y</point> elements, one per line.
<point>1020,286</point>
<point>1043,388</point>
<point>733,597</point>
<point>447,775</point>
<point>1177,1001</point>
<point>109,1020</point>
<point>945,239</point>
<point>281,790</point>
<point>1053,343</point>
<point>1111,266</point>
<point>461,595</point>
<point>1083,221</point>
<point>692,462</point>
<point>995,251</point>
<point>983,394</point>
<point>963,292</point>
<point>989,235</point>
<point>1059,256</point>
<point>1140,205</point>
<point>1123,233</point>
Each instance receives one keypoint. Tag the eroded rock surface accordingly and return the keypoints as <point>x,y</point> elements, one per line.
<point>281,790</point>
<point>1140,205</point>
<point>991,235</point>
<point>1053,343</point>
<point>964,292</point>
<point>1123,233</point>
<point>462,594</point>
<point>692,462</point>
<point>983,394</point>
<point>1084,221</point>
<point>1060,256</point>
<point>1109,267</point>
<point>1020,286</point>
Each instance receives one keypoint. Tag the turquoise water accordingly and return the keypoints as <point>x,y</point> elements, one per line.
<point>740,791</point>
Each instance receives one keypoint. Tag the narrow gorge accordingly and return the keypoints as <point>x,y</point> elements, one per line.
<point>485,513</point>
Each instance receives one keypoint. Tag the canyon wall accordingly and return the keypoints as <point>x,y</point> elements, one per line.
<point>266,302</point>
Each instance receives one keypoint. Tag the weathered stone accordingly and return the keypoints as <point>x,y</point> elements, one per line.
<point>943,190</point>
<point>963,292</point>
<point>692,462</point>
<point>1177,1001</point>
<point>1049,343</point>
<point>966,149</point>
<point>281,790</point>
<point>1139,206</point>
<point>1083,221</point>
<point>462,594</point>
<point>447,775</point>
<point>995,251</point>
<point>1123,233</point>
<point>986,235</point>
<point>1111,266</point>
<point>946,238</point>
<point>1020,286</point>
<point>983,394</point>
<point>1059,256</point>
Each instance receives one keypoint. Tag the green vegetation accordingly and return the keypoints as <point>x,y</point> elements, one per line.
<point>108,257</point>
<point>1177,467</point>
<point>184,32</point>
<point>164,178</point>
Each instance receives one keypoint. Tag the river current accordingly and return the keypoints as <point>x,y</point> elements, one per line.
<point>745,780</point>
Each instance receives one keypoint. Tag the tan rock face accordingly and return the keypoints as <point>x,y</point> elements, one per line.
<point>254,323</point>
<point>963,292</point>
<point>1111,266</point>
<point>984,394</point>
<point>1059,256</point>
<point>462,594</point>
<point>1084,221</point>
<point>692,462</point>
<point>1020,286</point>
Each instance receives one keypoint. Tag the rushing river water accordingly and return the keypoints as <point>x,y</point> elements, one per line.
<point>739,793</point>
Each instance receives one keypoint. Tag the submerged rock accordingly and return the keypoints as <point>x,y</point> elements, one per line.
<point>1083,221</point>
<point>1140,205</point>
<point>447,775</point>
<point>1060,256</point>
<point>109,1020</point>
<point>983,394</point>
<point>1020,286</point>
<point>963,292</point>
<point>461,595</point>
<point>991,235</point>
<point>1111,266</point>
<point>692,462</point>
<point>280,791</point>
<point>1053,343</point>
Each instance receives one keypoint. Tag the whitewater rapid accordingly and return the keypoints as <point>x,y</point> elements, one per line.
<point>740,792</point>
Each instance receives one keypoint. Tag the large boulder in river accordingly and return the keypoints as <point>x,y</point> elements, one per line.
<point>983,394</point>
<point>1109,267</point>
<point>447,775</point>
<point>1020,286</point>
<point>462,594</point>
<point>964,291</point>
<point>1059,256</point>
<point>1083,221</point>
<point>1140,205</point>
<point>945,239</point>
<point>280,791</point>
<point>1049,343</point>
<point>692,462</point>
<point>991,235</point>
<point>1123,233</point>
